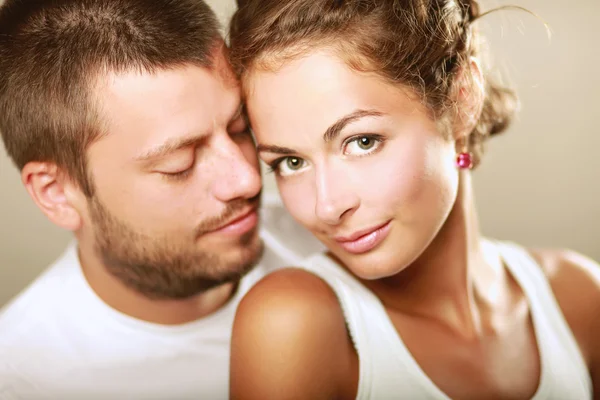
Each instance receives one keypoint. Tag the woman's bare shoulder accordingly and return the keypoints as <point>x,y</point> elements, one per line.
<point>575,281</point>
<point>289,338</point>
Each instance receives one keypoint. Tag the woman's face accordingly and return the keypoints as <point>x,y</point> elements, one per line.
<point>358,161</point>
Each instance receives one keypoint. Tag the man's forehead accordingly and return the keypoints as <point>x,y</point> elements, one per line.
<point>168,104</point>
<point>168,87</point>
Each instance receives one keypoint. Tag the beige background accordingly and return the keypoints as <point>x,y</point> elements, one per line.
<point>539,183</point>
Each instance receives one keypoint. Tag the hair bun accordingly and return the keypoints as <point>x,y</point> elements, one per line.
<point>472,9</point>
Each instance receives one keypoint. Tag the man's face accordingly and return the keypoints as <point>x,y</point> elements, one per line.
<point>177,181</point>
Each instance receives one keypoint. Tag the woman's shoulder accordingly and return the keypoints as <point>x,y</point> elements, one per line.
<point>572,275</point>
<point>294,294</point>
<point>559,264</point>
<point>575,282</point>
<point>290,335</point>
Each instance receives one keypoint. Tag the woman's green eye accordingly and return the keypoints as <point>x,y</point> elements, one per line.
<point>365,143</point>
<point>293,163</point>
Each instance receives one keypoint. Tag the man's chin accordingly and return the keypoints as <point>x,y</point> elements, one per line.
<point>246,257</point>
<point>239,259</point>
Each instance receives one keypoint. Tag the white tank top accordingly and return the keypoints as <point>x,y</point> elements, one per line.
<point>387,369</point>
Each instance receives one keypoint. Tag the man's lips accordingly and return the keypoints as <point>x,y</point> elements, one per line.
<point>240,224</point>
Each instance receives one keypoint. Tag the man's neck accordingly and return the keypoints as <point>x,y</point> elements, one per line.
<point>134,304</point>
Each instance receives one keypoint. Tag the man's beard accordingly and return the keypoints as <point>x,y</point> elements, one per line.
<point>172,268</point>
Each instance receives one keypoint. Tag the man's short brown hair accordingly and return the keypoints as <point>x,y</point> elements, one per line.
<point>53,51</point>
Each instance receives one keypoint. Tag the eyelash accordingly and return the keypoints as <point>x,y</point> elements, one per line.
<point>274,165</point>
<point>380,140</point>
<point>182,175</point>
<point>178,176</point>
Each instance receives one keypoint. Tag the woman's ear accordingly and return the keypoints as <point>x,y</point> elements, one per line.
<point>54,193</point>
<point>470,97</point>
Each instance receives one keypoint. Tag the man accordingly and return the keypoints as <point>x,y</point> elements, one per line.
<point>125,121</point>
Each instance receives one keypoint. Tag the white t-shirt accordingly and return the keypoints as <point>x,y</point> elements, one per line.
<point>58,340</point>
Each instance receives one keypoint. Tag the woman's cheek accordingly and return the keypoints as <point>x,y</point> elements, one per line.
<point>299,199</point>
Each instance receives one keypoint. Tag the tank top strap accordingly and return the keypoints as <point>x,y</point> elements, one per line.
<point>552,330</point>
<point>354,298</point>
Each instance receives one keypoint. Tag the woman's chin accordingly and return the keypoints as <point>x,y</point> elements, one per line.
<point>377,264</point>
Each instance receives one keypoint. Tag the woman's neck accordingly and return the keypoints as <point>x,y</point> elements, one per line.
<point>451,281</point>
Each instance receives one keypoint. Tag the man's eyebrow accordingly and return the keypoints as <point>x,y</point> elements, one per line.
<point>334,130</point>
<point>170,146</point>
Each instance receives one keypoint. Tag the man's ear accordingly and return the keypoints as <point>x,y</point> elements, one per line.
<point>470,97</point>
<point>59,198</point>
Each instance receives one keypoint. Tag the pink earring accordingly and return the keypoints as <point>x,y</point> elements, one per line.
<point>464,159</point>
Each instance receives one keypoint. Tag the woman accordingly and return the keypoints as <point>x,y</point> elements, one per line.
<point>372,114</point>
